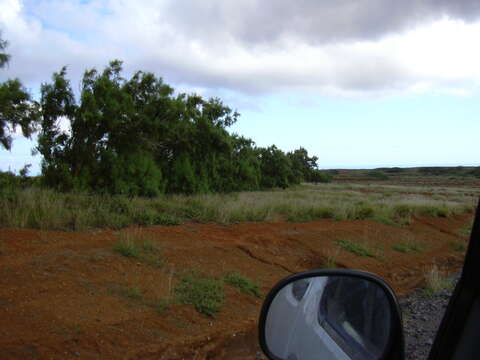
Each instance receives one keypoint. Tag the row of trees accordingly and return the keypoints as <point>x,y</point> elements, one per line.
<point>138,137</point>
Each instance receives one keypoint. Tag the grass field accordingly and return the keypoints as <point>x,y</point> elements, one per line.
<point>390,204</point>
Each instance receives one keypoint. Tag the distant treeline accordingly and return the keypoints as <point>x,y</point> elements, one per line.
<point>452,171</point>
<point>138,137</point>
<point>436,170</point>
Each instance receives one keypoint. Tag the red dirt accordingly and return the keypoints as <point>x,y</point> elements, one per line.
<point>60,298</point>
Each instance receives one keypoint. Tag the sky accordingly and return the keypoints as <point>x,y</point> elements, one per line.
<point>358,83</point>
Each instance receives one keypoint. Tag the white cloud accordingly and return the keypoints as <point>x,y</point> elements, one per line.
<point>218,46</point>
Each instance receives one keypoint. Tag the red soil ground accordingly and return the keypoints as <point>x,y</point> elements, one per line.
<point>60,297</point>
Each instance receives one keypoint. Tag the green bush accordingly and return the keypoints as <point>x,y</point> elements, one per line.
<point>318,176</point>
<point>206,294</point>
<point>364,212</point>
<point>402,211</point>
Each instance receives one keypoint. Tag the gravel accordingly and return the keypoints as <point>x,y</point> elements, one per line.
<point>422,315</point>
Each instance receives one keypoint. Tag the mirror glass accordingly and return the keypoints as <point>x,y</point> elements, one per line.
<point>329,317</point>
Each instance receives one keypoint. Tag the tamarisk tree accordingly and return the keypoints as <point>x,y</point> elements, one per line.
<point>16,105</point>
<point>138,137</point>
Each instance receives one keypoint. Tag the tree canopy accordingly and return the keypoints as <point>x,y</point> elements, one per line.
<point>16,105</point>
<point>138,137</point>
<point>4,57</point>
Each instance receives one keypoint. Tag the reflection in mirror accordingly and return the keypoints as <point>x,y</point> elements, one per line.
<point>329,318</point>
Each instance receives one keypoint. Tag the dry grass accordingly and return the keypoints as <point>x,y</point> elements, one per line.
<point>331,258</point>
<point>409,245</point>
<point>392,205</point>
<point>435,281</point>
<point>135,244</point>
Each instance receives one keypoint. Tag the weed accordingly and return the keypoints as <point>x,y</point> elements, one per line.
<point>386,221</point>
<point>435,281</point>
<point>360,249</point>
<point>242,283</point>
<point>179,323</point>
<point>128,248</point>
<point>139,246</point>
<point>206,294</point>
<point>77,330</point>
<point>162,305</point>
<point>465,230</point>
<point>458,245</point>
<point>148,246</point>
<point>408,246</point>
<point>331,259</point>
<point>133,293</point>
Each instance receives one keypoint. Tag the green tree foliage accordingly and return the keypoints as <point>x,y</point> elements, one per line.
<point>317,176</point>
<point>276,168</point>
<point>137,137</point>
<point>303,166</point>
<point>16,106</point>
<point>4,57</point>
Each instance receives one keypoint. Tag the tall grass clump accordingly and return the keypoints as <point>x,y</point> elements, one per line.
<point>435,281</point>
<point>331,259</point>
<point>135,244</point>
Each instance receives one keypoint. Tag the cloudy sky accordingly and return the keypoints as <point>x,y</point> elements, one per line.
<point>359,83</point>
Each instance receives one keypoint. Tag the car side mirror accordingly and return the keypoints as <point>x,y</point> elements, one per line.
<point>331,315</point>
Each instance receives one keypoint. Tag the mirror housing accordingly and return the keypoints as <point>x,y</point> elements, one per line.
<point>331,315</point>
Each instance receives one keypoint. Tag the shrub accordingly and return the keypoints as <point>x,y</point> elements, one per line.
<point>167,220</point>
<point>318,176</point>
<point>206,294</point>
<point>402,211</point>
<point>364,212</point>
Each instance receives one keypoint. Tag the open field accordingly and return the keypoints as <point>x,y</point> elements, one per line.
<point>460,176</point>
<point>36,208</point>
<point>193,289</point>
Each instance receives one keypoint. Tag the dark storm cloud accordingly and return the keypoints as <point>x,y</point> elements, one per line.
<point>312,21</point>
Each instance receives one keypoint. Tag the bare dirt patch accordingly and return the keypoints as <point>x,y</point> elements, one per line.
<point>71,295</point>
